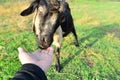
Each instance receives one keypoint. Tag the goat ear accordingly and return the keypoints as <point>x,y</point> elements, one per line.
<point>30,9</point>
<point>64,6</point>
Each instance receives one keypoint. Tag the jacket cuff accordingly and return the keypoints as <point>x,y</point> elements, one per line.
<point>34,69</point>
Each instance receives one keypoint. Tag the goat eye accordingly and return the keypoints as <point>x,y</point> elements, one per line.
<point>36,35</point>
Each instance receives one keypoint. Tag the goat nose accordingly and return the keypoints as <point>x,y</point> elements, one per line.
<point>36,35</point>
<point>44,40</point>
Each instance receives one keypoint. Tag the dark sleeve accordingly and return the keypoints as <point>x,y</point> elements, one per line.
<point>30,72</point>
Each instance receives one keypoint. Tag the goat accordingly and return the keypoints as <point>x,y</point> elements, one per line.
<point>52,21</point>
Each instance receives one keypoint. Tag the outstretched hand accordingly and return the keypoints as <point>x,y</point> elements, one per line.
<point>41,58</point>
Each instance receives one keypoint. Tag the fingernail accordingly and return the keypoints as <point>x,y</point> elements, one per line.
<point>51,50</point>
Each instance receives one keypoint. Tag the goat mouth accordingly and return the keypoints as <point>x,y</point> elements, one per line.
<point>43,44</point>
<point>42,47</point>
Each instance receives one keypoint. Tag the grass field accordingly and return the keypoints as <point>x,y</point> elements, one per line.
<point>98,28</point>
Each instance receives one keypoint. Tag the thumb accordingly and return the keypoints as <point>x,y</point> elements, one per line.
<point>23,56</point>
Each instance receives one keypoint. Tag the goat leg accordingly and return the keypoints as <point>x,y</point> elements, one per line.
<point>57,66</point>
<point>75,35</point>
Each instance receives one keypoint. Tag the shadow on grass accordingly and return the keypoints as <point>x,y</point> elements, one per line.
<point>99,32</point>
<point>95,33</point>
<point>69,58</point>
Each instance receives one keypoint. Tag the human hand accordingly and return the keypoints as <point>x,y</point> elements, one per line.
<point>41,58</point>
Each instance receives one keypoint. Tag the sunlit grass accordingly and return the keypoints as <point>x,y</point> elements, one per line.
<point>10,18</point>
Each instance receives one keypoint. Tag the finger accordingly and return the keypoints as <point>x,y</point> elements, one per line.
<point>50,51</point>
<point>21,54</point>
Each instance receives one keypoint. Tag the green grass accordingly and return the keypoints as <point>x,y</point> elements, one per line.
<point>98,28</point>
